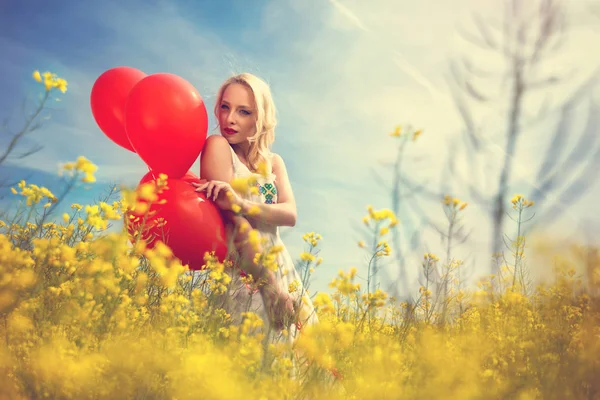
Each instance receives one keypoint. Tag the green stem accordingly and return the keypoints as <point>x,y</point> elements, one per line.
<point>517,256</point>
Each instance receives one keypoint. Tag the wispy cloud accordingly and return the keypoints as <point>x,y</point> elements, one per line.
<point>382,41</point>
<point>349,14</point>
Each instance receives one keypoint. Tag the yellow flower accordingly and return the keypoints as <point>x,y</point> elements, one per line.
<point>61,84</point>
<point>81,165</point>
<point>312,238</point>
<point>383,249</point>
<point>34,194</point>
<point>516,199</point>
<point>376,299</point>
<point>344,282</point>
<point>431,257</point>
<point>94,218</point>
<point>307,257</point>
<point>253,211</point>
<point>397,131</point>
<point>417,134</point>
<point>521,202</point>
<point>263,169</point>
<point>48,84</point>
<point>243,185</point>
<point>454,202</point>
<point>323,301</point>
<point>147,192</point>
<point>293,287</point>
<point>51,81</point>
<point>254,238</point>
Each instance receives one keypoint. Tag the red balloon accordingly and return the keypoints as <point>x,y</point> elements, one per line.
<point>167,123</point>
<point>188,223</point>
<point>108,100</point>
<point>189,177</point>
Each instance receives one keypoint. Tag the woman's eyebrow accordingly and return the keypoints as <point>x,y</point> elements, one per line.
<point>240,106</point>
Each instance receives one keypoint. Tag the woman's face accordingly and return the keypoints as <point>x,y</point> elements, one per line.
<point>237,114</point>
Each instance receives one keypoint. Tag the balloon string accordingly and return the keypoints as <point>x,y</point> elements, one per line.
<point>151,172</point>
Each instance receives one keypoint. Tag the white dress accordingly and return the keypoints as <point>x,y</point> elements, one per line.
<point>241,298</point>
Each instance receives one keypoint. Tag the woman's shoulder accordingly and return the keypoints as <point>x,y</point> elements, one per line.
<point>216,159</point>
<point>216,146</point>
<point>276,159</point>
<point>277,162</point>
<point>216,142</point>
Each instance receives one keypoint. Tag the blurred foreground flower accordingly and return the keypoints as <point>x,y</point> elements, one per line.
<point>82,165</point>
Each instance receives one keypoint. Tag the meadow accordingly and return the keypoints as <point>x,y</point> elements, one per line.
<point>90,314</point>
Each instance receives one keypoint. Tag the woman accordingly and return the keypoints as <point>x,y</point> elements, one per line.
<point>246,117</point>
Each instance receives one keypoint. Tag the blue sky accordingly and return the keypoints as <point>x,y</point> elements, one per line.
<point>343,74</point>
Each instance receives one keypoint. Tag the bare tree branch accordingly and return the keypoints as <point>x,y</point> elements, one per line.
<point>485,33</point>
<point>421,188</point>
<point>551,26</point>
<point>474,93</point>
<point>556,145</point>
<point>473,39</point>
<point>580,182</point>
<point>573,192</point>
<point>428,222</point>
<point>31,151</point>
<point>30,125</point>
<point>543,83</point>
<point>584,151</point>
<point>474,71</point>
<point>6,182</point>
<point>471,130</point>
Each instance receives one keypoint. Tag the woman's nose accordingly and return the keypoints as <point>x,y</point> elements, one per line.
<point>230,118</point>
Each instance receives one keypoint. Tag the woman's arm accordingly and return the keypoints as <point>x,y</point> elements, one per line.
<point>283,213</point>
<point>216,164</point>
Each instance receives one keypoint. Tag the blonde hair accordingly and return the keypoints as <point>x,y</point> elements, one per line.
<point>260,143</point>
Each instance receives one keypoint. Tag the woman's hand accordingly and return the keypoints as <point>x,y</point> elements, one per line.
<point>221,193</point>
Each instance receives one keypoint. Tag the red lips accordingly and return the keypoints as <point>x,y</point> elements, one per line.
<point>229,131</point>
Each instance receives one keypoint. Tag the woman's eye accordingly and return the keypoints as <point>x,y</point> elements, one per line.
<point>223,107</point>
<point>244,112</point>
